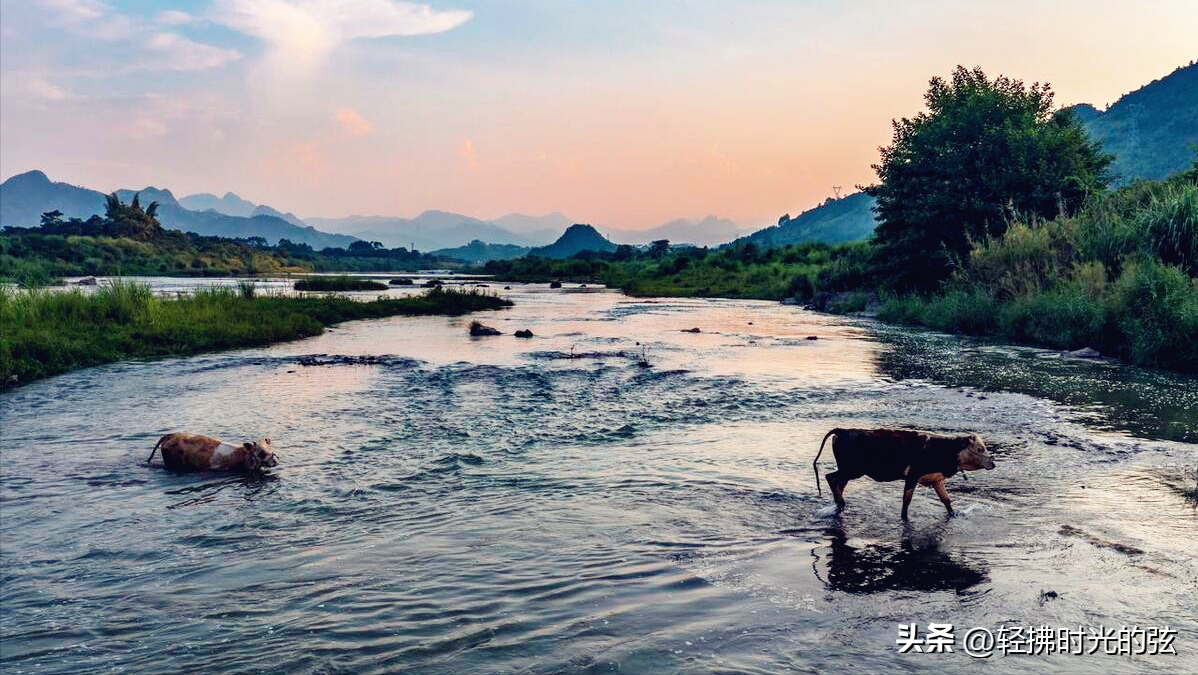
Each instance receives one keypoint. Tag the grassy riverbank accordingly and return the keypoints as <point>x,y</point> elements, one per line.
<point>45,333</point>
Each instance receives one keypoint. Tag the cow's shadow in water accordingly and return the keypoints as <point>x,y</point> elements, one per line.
<point>254,487</point>
<point>915,563</point>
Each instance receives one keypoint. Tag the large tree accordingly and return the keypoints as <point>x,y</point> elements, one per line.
<point>985,152</point>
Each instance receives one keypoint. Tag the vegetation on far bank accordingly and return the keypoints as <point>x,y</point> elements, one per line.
<point>339,284</point>
<point>46,332</point>
<point>129,240</point>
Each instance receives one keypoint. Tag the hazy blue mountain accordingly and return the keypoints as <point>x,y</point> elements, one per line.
<point>541,228</point>
<point>264,210</point>
<point>1153,130</point>
<point>233,205</point>
<point>212,223</point>
<point>230,204</point>
<point>25,197</point>
<point>836,220</point>
<point>480,252</point>
<point>430,230</point>
<point>575,239</point>
<point>710,231</point>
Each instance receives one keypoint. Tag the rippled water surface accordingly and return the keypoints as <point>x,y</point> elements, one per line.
<point>497,505</point>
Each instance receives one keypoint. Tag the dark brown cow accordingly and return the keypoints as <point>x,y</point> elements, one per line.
<point>898,454</point>
<point>188,452</point>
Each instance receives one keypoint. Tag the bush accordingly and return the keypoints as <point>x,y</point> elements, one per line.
<point>1157,314</point>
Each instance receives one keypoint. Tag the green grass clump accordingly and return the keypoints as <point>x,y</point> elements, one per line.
<point>44,333</point>
<point>338,284</point>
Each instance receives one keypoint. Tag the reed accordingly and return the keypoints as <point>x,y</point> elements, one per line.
<point>44,332</point>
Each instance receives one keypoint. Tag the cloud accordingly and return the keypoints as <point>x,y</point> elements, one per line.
<point>302,32</point>
<point>171,51</point>
<point>74,11</point>
<point>353,123</point>
<point>468,154</point>
<point>34,87</point>
<point>173,17</point>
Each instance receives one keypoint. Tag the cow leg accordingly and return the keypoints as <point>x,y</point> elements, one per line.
<point>943,494</point>
<point>837,481</point>
<point>908,493</point>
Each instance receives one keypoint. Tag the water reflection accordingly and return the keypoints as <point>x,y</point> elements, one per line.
<point>916,563</point>
<point>253,487</point>
<point>1108,396</point>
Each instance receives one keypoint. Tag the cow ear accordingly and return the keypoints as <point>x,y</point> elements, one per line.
<point>266,441</point>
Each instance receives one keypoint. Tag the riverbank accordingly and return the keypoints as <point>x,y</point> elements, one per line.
<point>44,333</point>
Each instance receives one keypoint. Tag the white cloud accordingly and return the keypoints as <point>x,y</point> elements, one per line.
<point>172,51</point>
<point>173,17</point>
<point>72,11</point>
<point>302,32</point>
<point>34,87</point>
<point>353,123</point>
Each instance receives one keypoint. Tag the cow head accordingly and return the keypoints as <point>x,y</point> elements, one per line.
<point>974,455</point>
<point>260,455</point>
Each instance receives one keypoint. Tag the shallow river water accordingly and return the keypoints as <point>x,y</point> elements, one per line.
<point>498,505</point>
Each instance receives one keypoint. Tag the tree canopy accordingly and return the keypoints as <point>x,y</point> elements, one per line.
<point>984,152</point>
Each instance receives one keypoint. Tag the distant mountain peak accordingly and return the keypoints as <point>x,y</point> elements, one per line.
<point>34,176</point>
<point>577,238</point>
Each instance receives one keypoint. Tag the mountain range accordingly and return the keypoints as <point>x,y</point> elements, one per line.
<point>24,197</point>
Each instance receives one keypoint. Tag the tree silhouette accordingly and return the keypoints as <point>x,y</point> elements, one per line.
<point>985,151</point>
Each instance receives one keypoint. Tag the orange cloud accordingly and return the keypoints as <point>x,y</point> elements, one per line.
<point>468,154</point>
<point>353,123</point>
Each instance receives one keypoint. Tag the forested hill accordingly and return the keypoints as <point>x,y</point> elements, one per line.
<point>836,220</point>
<point>1153,130</point>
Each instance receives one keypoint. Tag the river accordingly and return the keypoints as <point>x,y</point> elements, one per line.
<point>547,505</point>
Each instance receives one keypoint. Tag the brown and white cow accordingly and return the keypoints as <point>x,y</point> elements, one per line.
<point>898,454</point>
<point>189,452</point>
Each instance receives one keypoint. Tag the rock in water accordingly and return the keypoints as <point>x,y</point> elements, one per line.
<point>691,330</point>
<point>477,330</point>
<point>524,333</point>
<point>1084,353</point>
<point>555,284</point>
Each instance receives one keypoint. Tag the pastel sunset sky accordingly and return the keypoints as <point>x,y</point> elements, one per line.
<point>623,113</point>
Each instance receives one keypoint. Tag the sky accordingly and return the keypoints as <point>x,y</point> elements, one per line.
<point>615,112</point>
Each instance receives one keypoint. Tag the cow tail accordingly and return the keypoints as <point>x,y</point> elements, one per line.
<point>814,468</point>
<point>160,440</point>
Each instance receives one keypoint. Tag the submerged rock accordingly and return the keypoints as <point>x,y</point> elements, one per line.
<point>1084,353</point>
<point>477,330</point>
<point>691,330</point>
<point>525,333</point>
<point>812,337</point>
<point>87,281</point>
<point>790,301</point>
<point>555,284</point>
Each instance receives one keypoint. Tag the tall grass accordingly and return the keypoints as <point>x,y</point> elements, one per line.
<point>1118,277</point>
<point>43,332</point>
